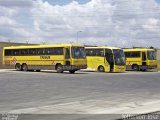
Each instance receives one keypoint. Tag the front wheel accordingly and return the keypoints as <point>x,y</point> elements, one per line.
<point>72,71</point>
<point>101,69</point>
<point>59,69</point>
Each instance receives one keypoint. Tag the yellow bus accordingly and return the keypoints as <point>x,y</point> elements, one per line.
<point>140,59</point>
<point>60,57</point>
<point>105,59</point>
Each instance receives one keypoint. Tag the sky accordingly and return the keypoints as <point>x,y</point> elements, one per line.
<point>64,2</point>
<point>119,23</point>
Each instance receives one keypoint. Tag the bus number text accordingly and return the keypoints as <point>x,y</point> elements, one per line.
<point>44,57</point>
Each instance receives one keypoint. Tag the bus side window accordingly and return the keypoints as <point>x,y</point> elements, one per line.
<point>8,52</point>
<point>15,52</point>
<point>143,56</point>
<point>40,51</point>
<point>32,51</point>
<point>23,52</point>
<point>49,51</point>
<point>67,56</point>
<point>127,54</point>
<point>58,51</point>
<point>90,52</point>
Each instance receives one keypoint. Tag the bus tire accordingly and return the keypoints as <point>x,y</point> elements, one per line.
<point>24,67</point>
<point>38,70</point>
<point>143,70</point>
<point>135,67</point>
<point>101,69</point>
<point>18,67</point>
<point>72,71</point>
<point>59,68</point>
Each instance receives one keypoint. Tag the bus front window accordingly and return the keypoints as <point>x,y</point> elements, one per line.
<point>119,57</point>
<point>78,52</point>
<point>151,55</point>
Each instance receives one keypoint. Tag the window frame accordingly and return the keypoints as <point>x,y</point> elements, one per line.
<point>34,51</point>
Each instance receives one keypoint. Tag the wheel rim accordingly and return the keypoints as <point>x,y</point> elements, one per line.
<point>18,67</point>
<point>25,68</point>
<point>59,69</point>
<point>135,68</point>
<point>101,69</point>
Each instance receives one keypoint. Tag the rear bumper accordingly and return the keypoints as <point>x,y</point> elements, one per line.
<point>74,67</point>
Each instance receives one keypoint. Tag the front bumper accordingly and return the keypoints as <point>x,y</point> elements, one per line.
<point>119,68</point>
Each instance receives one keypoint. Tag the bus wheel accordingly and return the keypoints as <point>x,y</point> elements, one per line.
<point>38,70</point>
<point>144,70</point>
<point>135,67</point>
<point>18,67</point>
<point>72,71</point>
<point>59,68</point>
<point>24,67</point>
<point>101,69</point>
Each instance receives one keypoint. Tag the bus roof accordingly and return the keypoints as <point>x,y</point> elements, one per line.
<point>103,47</point>
<point>138,49</point>
<point>42,46</point>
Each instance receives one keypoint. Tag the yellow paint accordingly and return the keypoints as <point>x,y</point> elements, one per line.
<point>138,60</point>
<point>43,59</point>
<point>93,62</point>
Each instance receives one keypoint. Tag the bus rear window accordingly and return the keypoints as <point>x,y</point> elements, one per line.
<point>78,52</point>
<point>151,55</point>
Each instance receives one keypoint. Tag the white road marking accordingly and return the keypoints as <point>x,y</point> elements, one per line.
<point>88,107</point>
<point>6,70</point>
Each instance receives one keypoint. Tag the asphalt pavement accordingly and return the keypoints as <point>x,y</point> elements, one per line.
<point>48,92</point>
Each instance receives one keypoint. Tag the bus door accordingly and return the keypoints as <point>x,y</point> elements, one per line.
<point>109,58</point>
<point>144,58</point>
<point>67,56</point>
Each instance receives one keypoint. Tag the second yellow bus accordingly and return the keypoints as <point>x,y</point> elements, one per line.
<point>105,59</point>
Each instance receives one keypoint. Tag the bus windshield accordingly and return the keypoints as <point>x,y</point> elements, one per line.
<point>78,52</point>
<point>151,55</point>
<point>119,57</point>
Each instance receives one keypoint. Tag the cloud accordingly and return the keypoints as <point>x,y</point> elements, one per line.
<point>16,3</point>
<point>5,21</point>
<point>152,25</point>
<point>8,12</point>
<point>119,23</point>
<point>10,28</point>
<point>60,22</point>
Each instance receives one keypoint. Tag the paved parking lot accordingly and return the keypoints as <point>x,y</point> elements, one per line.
<point>48,92</point>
